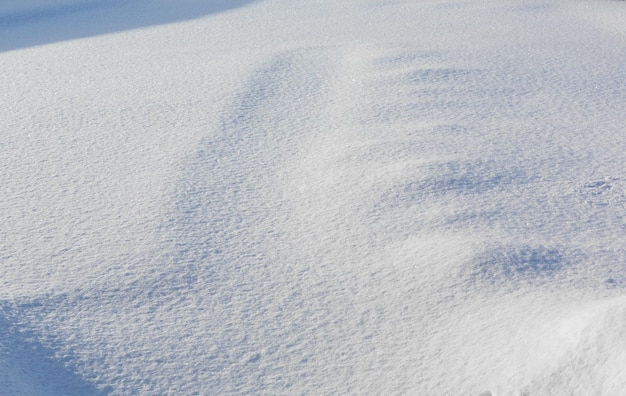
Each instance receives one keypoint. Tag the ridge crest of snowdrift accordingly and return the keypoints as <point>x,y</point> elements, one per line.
<point>587,341</point>
<point>38,22</point>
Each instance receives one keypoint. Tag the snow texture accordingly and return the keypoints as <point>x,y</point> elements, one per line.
<point>313,197</point>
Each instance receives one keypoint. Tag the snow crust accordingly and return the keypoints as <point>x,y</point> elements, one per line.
<point>313,197</point>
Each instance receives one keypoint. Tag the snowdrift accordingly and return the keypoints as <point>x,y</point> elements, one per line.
<point>312,197</point>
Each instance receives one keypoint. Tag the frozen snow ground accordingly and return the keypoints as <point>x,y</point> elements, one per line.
<point>312,197</point>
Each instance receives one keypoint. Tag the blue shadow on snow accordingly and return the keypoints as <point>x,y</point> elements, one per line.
<point>27,23</point>
<point>27,366</point>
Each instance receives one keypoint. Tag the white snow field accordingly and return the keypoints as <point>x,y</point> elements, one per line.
<point>323,197</point>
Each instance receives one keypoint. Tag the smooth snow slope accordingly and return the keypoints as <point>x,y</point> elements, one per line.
<point>313,197</point>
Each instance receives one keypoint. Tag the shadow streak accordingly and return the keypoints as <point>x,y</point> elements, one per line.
<point>27,366</point>
<point>30,23</point>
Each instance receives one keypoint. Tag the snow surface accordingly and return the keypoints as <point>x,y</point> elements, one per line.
<point>313,197</point>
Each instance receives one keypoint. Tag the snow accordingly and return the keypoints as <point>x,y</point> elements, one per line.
<point>312,197</point>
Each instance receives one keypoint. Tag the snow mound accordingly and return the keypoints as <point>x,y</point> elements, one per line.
<point>312,197</point>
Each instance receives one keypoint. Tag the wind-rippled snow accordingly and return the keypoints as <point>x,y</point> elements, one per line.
<point>313,197</point>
